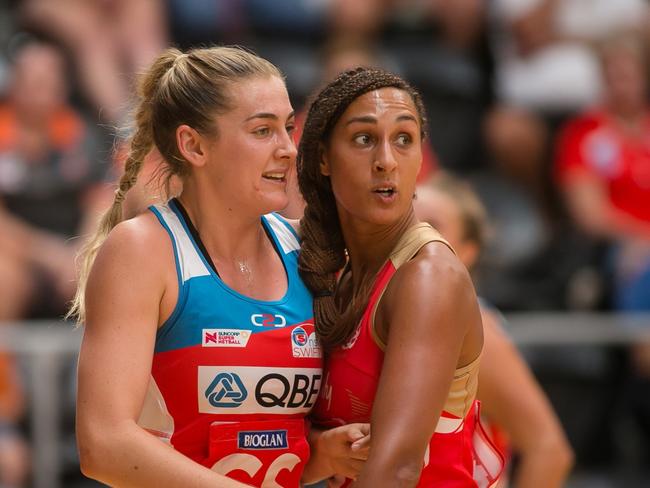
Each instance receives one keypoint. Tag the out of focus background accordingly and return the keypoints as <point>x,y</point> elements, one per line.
<point>541,105</point>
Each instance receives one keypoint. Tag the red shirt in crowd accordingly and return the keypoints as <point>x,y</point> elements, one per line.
<point>596,145</point>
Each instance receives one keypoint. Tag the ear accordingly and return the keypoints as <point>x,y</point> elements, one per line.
<point>324,160</point>
<point>191,145</point>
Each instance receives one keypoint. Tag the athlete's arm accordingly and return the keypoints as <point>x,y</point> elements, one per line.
<point>123,298</point>
<point>516,403</point>
<point>341,450</point>
<point>431,315</point>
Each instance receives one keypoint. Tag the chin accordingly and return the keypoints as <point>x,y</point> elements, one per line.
<point>274,203</point>
<point>384,218</point>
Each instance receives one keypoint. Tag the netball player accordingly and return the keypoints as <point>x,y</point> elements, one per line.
<point>401,326</point>
<point>513,402</point>
<point>199,359</point>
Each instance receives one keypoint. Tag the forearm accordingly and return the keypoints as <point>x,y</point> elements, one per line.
<point>617,225</point>
<point>591,209</point>
<point>131,457</point>
<point>318,467</point>
<point>392,473</point>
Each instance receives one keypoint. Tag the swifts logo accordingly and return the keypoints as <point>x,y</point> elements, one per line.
<point>268,320</point>
<point>304,345</point>
<point>299,336</point>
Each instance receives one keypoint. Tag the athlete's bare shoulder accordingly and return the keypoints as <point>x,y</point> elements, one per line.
<point>430,290</point>
<point>139,244</point>
<point>435,264</point>
<point>142,232</point>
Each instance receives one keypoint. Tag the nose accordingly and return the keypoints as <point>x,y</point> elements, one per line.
<point>287,147</point>
<point>384,158</point>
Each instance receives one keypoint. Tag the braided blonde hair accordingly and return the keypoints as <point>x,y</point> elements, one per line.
<point>179,88</point>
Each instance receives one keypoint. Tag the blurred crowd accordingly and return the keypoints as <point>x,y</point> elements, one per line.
<point>541,105</point>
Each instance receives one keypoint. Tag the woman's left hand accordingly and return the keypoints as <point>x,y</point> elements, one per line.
<point>341,450</point>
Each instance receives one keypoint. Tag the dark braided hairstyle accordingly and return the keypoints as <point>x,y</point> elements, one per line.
<point>323,252</point>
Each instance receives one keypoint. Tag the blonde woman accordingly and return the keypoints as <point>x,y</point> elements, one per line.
<point>199,360</point>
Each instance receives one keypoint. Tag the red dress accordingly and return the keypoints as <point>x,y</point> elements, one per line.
<point>459,455</point>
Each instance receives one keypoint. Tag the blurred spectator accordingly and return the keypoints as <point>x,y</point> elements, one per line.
<point>458,23</point>
<point>51,186</point>
<point>14,454</point>
<point>545,66</point>
<point>110,40</point>
<point>436,45</point>
<point>603,168</point>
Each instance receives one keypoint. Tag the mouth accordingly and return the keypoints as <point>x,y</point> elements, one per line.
<point>275,176</point>
<point>385,190</point>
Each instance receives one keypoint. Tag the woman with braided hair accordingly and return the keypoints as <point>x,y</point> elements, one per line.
<point>199,360</point>
<point>400,324</point>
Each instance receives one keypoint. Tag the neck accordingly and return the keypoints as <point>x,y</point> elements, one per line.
<point>370,245</point>
<point>228,235</point>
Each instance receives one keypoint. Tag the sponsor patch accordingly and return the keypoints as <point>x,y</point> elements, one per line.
<point>304,345</point>
<point>299,336</point>
<point>252,389</point>
<point>265,439</point>
<point>225,338</point>
<point>226,391</point>
<point>268,320</point>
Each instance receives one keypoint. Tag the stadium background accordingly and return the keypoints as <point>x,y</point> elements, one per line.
<point>500,80</point>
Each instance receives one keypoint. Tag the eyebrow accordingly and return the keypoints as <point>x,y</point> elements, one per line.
<point>369,119</point>
<point>268,115</point>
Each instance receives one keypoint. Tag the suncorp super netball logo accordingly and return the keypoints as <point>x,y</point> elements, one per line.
<point>225,338</point>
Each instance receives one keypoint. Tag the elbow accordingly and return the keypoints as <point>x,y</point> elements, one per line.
<point>88,459</point>
<point>401,474</point>
<point>559,449</point>
<point>93,453</point>
<point>565,457</point>
<point>408,474</point>
<point>556,451</point>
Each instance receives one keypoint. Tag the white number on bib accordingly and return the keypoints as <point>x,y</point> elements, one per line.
<point>251,465</point>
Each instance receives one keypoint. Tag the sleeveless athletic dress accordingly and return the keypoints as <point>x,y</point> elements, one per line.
<point>459,455</point>
<point>233,377</point>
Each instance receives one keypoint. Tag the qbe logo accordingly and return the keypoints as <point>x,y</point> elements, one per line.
<point>304,345</point>
<point>226,391</point>
<point>284,390</point>
<point>225,338</point>
<point>268,320</point>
